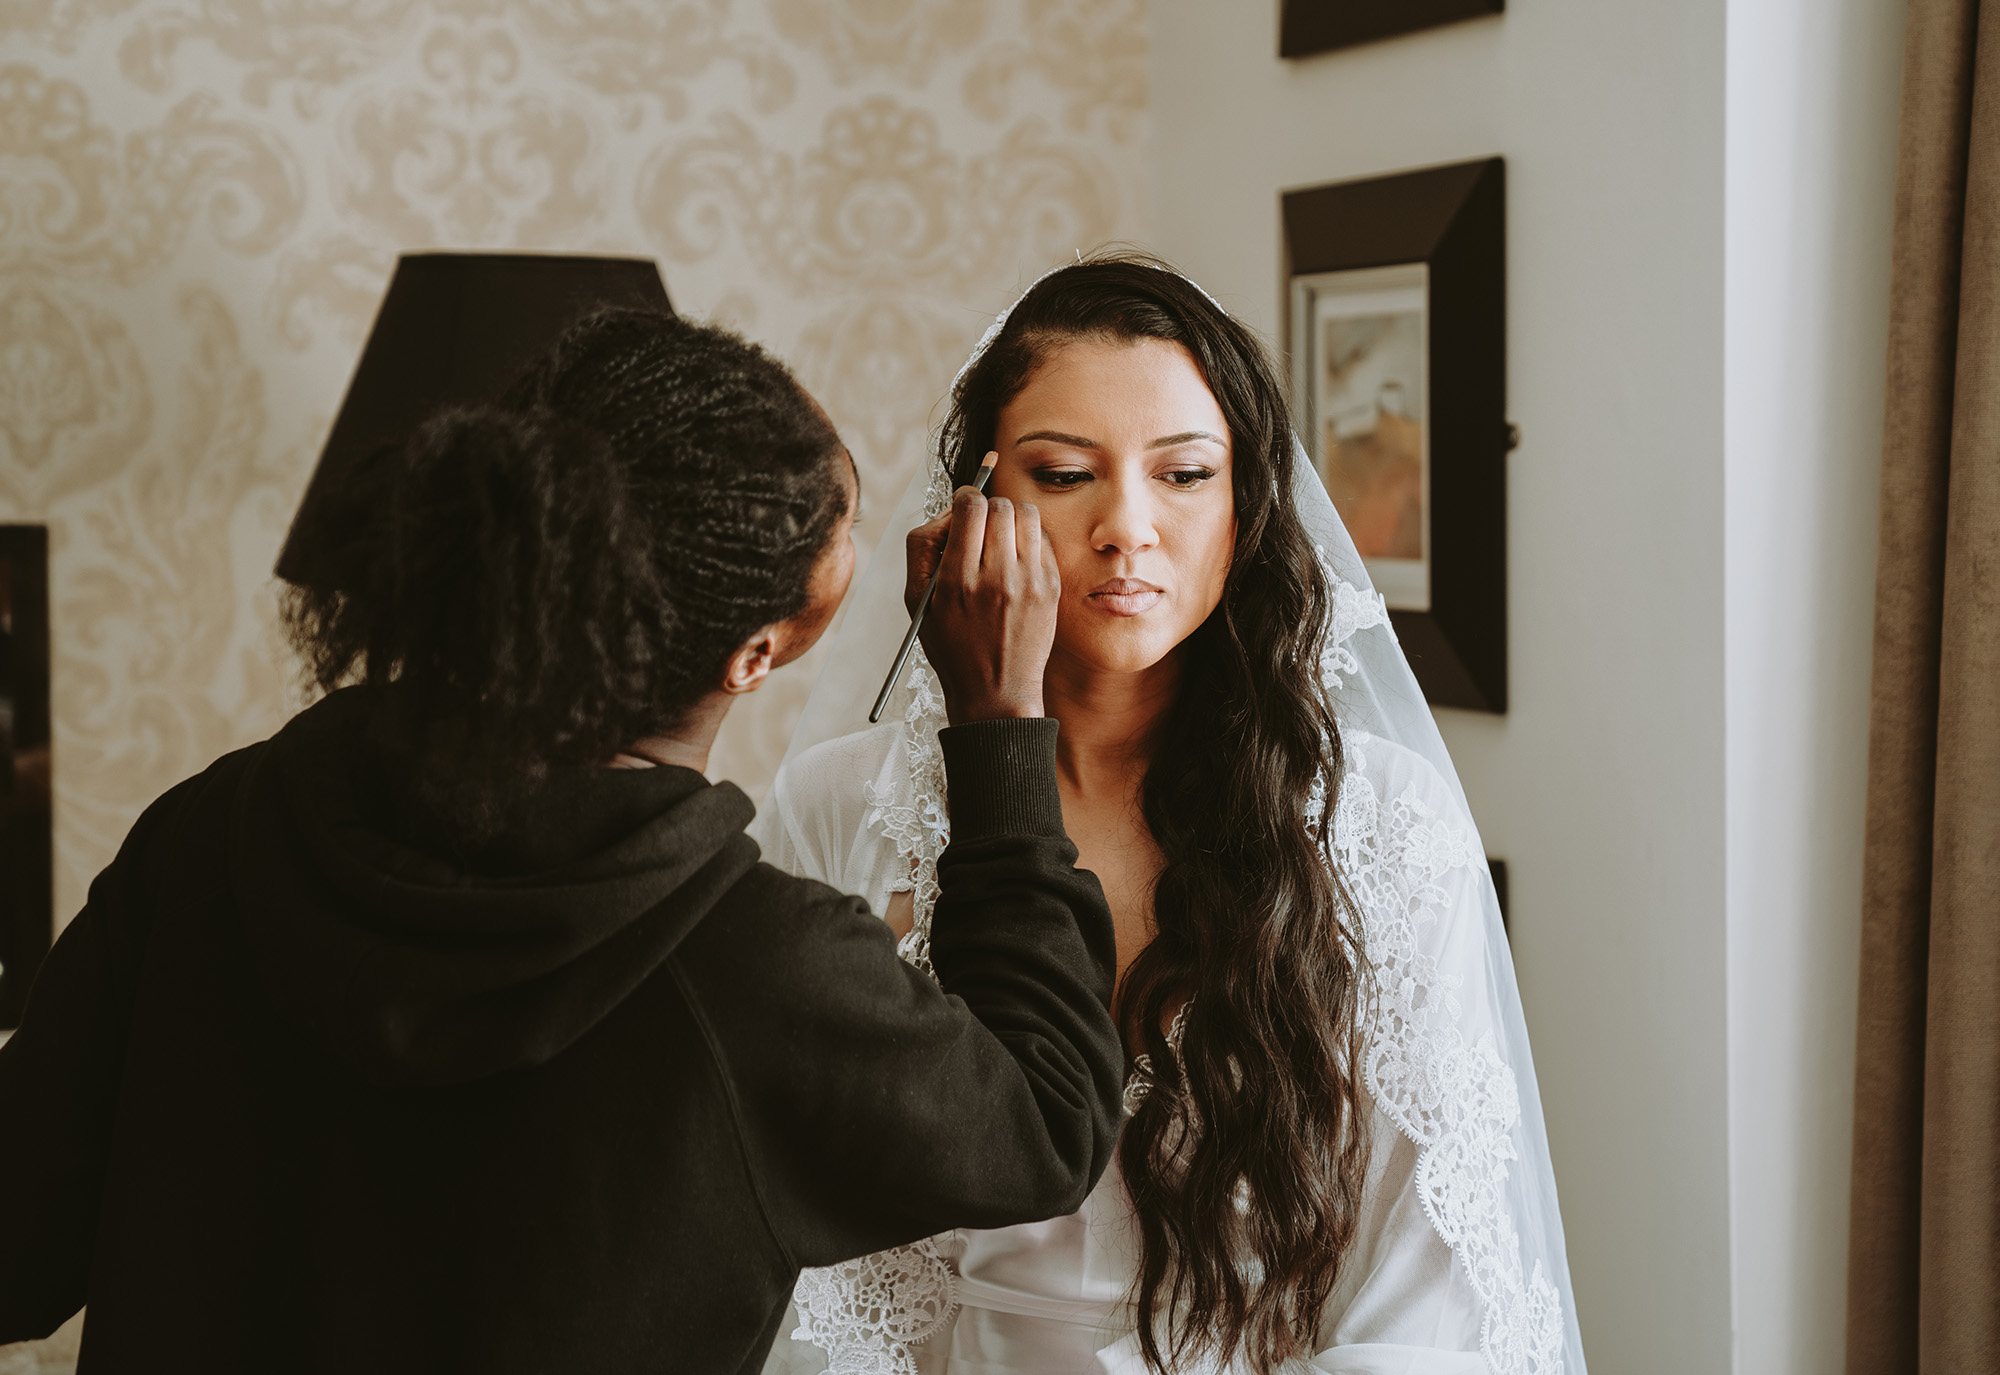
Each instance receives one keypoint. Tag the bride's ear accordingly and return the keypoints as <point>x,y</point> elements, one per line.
<point>751,664</point>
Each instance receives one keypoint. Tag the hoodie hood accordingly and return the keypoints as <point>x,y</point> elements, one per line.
<point>417,968</point>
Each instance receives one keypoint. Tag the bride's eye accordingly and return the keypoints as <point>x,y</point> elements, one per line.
<point>1060,477</point>
<point>1188,477</point>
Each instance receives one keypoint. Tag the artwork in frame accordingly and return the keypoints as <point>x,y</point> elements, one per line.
<point>1317,26</point>
<point>1362,387</point>
<point>1395,298</point>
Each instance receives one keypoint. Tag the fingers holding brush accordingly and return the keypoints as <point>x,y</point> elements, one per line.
<point>972,517</point>
<point>999,559</point>
<point>1037,554</point>
<point>982,589</point>
<point>992,621</point>
<point>924,547</point>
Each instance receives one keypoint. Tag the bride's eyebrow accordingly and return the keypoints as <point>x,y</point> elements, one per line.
<point>1074,441</point>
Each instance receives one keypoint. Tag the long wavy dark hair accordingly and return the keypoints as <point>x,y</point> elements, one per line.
<point>547,579</point>
<point>1245,1160</point>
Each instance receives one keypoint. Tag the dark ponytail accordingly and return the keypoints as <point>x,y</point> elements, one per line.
<point>544,581</point>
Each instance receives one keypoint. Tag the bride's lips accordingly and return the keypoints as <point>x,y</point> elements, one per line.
<point>1124,596</point>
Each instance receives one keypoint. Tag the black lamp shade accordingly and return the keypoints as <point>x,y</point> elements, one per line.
<point>457,329</point>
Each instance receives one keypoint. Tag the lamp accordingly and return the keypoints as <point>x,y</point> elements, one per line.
<point>457,329</point>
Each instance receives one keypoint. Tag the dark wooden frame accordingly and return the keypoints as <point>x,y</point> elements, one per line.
<point>27,838</point>
<point>1317,26</point>
<point>1453,219</point>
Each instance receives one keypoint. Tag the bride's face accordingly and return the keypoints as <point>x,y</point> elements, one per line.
<point>1122,446</point>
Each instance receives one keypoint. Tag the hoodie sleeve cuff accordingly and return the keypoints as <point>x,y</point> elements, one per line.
<point>1001,777</point>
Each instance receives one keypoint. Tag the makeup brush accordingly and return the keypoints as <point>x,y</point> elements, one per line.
<point>979,481</point>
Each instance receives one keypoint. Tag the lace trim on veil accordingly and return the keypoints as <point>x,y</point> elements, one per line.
<point>1457,1102</point>
<point>866,1314</point>
<point>914,816</point>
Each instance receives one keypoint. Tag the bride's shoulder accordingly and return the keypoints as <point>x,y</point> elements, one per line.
<point>1392,793</point>
<point>838,769</point>
<point>815,820</point>
<point>1392,769</point>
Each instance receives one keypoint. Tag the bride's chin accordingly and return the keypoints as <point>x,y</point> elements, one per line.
<point>1115,654</point>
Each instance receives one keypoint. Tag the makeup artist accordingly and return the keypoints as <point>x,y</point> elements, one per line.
<point>457,1027</point>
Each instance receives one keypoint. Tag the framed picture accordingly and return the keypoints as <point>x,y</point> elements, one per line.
<point>1359,354</point>
<point>1395,299</point>
<point>1317,26</point>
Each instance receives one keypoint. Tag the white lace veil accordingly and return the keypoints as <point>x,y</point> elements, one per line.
<point>1448,1061</point>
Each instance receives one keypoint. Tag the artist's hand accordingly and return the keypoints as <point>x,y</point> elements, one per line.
<point>993,618</point>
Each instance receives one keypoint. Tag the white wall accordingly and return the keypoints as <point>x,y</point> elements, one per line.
<point>1677,787</point>
<point>1602,788</point>
<point>1812,98</point>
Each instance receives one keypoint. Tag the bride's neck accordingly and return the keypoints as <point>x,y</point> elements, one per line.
<point>1110,721</point>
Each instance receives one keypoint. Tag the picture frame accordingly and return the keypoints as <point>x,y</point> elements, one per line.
<point>1306,27</point>
<point>1395,309</point>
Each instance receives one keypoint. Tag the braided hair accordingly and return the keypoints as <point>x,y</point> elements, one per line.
<point>546,580</point>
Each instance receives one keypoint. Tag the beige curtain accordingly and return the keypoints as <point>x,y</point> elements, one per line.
<point>1924,1257</point>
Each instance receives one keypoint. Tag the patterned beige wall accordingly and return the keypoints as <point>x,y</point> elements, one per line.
<point>201,200</point>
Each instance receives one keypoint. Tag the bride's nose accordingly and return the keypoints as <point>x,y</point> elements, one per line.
<point>1125,520</point>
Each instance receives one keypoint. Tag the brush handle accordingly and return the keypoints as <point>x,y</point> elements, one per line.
<point>979,482</point>
<point>903,654</point>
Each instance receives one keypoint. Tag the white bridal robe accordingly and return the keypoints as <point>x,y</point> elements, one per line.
<point>1051,1298</point>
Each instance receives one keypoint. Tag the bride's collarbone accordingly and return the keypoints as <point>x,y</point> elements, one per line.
<point>900,914</point>
<point>1113,842</point>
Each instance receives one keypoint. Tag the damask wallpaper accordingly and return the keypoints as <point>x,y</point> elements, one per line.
<point>201,200</point>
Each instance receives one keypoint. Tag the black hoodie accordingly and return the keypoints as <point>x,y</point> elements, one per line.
<point>294,1092</point>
